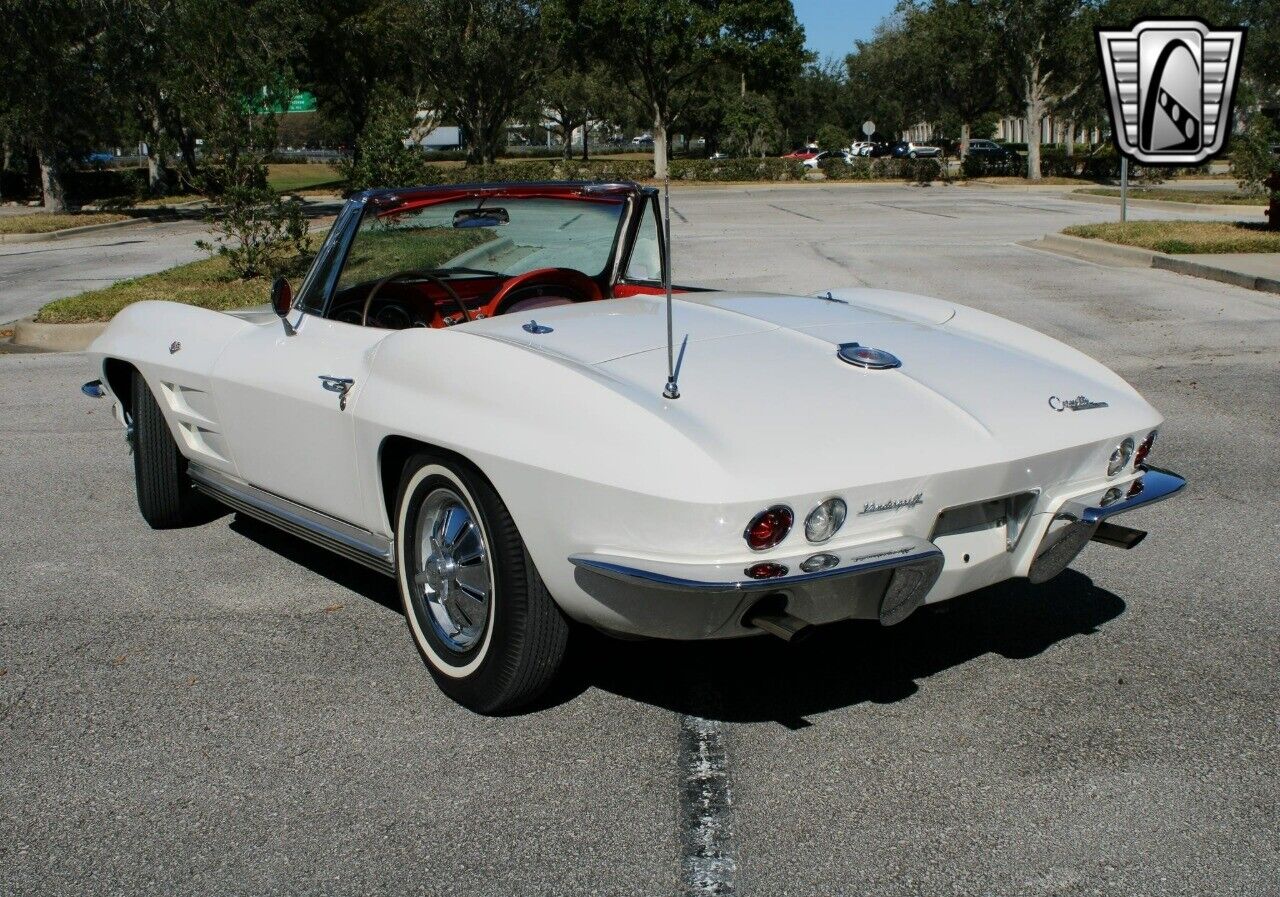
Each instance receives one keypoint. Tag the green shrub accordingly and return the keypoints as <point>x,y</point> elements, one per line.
<point>767,169</point>
<point>1251,157</point>
<point>1055,163</point>
<point>381,158</point>
<point>979,167</point>
<point>839,170</point>
<point>923,171</point>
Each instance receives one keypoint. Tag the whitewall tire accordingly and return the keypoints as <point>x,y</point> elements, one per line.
<point>478,611</point>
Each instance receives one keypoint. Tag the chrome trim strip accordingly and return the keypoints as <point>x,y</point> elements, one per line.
<point>857,560</point>
<point>342,538</point>
<point>1154,485</point>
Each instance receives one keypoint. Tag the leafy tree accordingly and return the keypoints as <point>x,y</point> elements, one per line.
<point>1042,47</point>
<point>50,82</point>
<point>480,59</point>
<point>1252,160</point>
<point>751,125</point>
<point>381,158</point>
<point>661,51</point>
<point>831,137</point>
<point>878,86</point>
<point>963,88</point>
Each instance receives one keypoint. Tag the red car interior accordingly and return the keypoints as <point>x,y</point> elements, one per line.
<point>405,300</point>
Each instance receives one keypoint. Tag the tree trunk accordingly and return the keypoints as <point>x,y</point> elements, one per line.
<point>55,197</point>
<point>568,141</point>
<point>187,148</point>
<point>1035,124</point>
<point>586,138</point>
<point>743,92</point>
<point>964,140</point>
<point>659,145</point>
<point>1071,138</point>
<point>155,162</point>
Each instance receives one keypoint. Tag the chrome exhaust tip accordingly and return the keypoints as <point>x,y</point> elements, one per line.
<point>1118,536</point>
<point>769,615</point>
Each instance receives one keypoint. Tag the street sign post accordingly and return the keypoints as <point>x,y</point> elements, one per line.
<point>868,127</point>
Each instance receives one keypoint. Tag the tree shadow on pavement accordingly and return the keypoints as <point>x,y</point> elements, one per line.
<point>766,679</point>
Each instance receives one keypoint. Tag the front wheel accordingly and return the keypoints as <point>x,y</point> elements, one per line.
<point>478,611</point>
<point>165,495</point>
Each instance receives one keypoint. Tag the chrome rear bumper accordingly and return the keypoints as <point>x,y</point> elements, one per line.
<point>1079,519</point>
<point>908,566</point>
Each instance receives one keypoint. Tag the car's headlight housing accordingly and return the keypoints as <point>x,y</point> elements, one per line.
<point>825,520</point>
<point>1120,457</point>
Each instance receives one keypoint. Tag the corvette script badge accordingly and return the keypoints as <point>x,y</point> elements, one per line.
<point>1079,403</point>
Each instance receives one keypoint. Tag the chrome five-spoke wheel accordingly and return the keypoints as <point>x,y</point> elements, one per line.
<point>455,577</point>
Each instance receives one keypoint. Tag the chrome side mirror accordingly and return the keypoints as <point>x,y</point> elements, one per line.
<point>282,303</point>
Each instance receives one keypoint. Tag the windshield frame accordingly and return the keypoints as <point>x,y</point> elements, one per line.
<point>381,202</point>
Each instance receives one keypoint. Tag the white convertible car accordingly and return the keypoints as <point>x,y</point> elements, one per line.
<point>485,392</point>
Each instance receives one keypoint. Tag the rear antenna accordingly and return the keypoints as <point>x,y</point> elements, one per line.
<point>671,390</point>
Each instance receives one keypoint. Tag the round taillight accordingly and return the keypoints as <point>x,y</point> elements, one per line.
<point>769,527</point>
<point>766,571</point>
<point>824,520</point>
<point>1120,457</point>
<point>1144,449</point>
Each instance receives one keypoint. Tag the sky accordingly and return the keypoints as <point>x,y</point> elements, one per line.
<point>831,27</point>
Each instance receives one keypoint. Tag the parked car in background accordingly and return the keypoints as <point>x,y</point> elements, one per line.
<point>861,148</point>
<point>642,140</point>
<point>990,151</point>
<point>821,157</point>
<point>802,153</point>
<point>907,149</point>
<point>877,150</point>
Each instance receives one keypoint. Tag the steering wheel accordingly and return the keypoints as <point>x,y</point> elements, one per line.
<point>577,287</point>
<point>421,275</point>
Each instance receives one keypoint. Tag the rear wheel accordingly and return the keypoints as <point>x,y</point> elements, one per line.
<point>165,495</point>
<point>477,609</point>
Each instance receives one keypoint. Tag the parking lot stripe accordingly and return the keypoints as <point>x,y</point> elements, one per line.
<point>708,865</point>
<point>917,211</point>
<point>791,212</point>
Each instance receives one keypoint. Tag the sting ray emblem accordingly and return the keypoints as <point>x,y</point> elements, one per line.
<point>1171,83</point>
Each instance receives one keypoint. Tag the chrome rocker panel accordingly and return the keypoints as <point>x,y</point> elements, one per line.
<point>1081,518</point>
<point>342,538</point>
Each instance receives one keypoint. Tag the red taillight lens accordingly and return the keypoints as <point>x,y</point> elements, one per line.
<point>766,571</point>
<point>769,527</point>
<point>1143,450</point>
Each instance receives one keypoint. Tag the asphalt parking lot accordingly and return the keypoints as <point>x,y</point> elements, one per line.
<point>227,710</point>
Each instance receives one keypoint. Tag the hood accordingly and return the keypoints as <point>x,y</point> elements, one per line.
<point>761,371</point>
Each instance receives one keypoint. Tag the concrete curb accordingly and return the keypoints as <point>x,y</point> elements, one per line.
<point>70,232</point>
<point>1173,206</point>
<point>1096,250</point>
<point>1209,272</point>
<point>1113,253</point>
<point>56,337</point>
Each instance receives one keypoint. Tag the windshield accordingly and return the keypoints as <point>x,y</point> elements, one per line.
<point>479,236</point>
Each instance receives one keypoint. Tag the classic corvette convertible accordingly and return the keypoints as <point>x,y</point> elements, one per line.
<point>493,394</point>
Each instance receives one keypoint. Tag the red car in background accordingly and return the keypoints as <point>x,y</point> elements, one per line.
<point>803,153</point>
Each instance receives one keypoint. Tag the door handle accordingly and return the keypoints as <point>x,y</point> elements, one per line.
<point>340,385</point>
